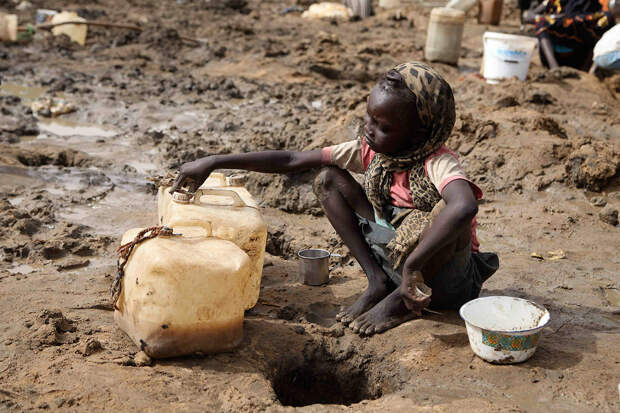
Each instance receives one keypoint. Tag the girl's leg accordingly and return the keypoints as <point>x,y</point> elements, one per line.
<point>391,311</point>
<point>341,197</point>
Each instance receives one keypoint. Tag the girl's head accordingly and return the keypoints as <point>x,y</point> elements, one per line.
<point>410,110</point>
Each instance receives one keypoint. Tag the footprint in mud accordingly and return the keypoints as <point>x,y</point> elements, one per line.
<point>322,313</point>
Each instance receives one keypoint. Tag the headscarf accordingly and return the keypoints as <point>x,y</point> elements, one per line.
<point>435,109</point>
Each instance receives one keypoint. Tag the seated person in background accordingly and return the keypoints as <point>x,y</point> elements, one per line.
<point>568,30</point>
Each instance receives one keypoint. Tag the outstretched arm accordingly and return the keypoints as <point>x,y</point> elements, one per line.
<point>268,161</point>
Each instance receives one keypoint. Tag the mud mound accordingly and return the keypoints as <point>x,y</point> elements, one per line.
<point>27,230</point>
<point>289,193</point>
<point>52,328</point>
<point>45,155</point>
<point>71,239</point>
<point>25,220</point>
<point>167,41</point>
<point>15,120</point>
<point>592,165</point>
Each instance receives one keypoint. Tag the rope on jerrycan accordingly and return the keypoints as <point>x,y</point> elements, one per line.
<point>124,251</point>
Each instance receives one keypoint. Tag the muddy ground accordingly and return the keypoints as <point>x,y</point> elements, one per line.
<point>545,151</point>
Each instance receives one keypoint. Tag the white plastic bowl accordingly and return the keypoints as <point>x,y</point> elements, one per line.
<point>504,330</point>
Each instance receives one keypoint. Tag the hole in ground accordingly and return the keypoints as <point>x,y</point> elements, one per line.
<point>323,380</point>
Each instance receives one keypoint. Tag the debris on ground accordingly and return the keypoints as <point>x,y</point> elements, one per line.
<point>328,10</point>
<point>52,107</point>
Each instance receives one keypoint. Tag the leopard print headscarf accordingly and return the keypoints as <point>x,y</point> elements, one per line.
<point>435,107</point>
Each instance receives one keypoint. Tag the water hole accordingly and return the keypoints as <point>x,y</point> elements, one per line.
<point>323,381</point>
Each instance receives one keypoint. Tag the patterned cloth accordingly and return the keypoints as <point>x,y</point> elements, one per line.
<point>574,27</point>
<point>435,109</point>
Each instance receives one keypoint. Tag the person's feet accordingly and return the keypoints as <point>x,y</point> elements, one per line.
<point>369,298</point>
<point>388,313</point>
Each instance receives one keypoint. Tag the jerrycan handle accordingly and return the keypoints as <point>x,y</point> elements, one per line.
<point>237,201</point>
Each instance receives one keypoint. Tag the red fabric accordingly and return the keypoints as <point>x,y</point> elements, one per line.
<point>326,155</point>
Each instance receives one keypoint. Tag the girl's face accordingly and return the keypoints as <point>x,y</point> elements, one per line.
<point>390,125</point>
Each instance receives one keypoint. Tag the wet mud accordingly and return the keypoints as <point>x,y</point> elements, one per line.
<point>213,77</point>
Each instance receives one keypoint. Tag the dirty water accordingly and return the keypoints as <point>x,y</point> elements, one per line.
<point>28,94</point>
<point>24,269</point>
<point>63,127</point>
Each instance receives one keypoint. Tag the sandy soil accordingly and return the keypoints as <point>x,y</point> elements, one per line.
<point>545,151</point>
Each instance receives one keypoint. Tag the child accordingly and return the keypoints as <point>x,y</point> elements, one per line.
<point>411,182</point>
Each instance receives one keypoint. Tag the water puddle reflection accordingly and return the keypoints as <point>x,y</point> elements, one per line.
<point>69,128</point>
<point>21,269</point>
<point>28,94</point>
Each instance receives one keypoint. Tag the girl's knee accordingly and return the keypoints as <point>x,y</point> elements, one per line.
<point>325,180</point>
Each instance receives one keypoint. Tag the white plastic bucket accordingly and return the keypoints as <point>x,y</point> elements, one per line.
<point>504,330</point>
<point>506,56</point>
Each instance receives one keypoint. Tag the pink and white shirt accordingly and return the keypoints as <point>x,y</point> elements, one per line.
<point>442,167</point>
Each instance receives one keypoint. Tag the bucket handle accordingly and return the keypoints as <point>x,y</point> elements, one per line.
<point>237,201</point>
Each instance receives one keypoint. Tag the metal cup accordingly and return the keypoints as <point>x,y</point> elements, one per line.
<point>314,266</point>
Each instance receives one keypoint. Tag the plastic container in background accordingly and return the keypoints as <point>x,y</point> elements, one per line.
<point>390,4</point>
<point>361,8</point>
<point>504,330</point>
<point>490,11</point>
<point>183,295</point>
<point>444,35</point>
<point>506,56</point>
<point>230,213</point>
<point>76,32</point>
<point>8,27</point>
<point>45,15</point>
<point>463,5</point>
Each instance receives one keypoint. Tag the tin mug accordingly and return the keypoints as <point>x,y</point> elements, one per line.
<point>314,266</point>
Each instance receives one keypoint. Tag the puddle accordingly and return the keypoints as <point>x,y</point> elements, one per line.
<point>16,200</point>
<point>69,128</point>
<point>56,126</point>
<point>66,180</point>
<point>21,269</point>
<point>26,93</point>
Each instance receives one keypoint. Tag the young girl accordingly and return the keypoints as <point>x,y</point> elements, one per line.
<point>411,226</point>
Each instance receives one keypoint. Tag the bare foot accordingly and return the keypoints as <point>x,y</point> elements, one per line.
<point>367,300</point>
<point>389,313</point>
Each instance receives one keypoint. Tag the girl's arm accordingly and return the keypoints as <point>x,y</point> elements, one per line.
<point>267,161</point>
<point>461,207</point>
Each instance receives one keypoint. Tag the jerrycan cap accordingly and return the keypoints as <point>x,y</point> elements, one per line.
<point>236,180</point>
<point>182,197</point>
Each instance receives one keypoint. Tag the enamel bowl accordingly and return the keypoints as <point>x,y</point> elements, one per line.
<point>504,330</point>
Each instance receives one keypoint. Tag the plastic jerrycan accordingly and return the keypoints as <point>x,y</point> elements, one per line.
<point>444,35</point>
<point>231,213</point>
<point>490,11</point>
<point>178,296</point>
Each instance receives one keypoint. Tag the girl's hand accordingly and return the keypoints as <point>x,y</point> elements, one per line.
<point>416,295</point>
<point>194,173</point>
